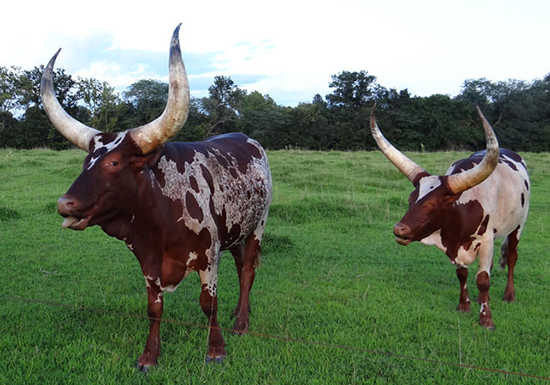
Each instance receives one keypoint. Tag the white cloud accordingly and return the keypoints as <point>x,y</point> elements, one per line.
<point>293,47</point>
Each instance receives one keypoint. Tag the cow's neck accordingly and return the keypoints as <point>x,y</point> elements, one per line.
<point>137,223</point>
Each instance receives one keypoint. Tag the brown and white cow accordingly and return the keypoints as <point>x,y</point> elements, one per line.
<point>177,206</point>
<point>479,199</point>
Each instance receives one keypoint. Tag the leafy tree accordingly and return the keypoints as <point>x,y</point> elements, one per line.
<point>264,120</point>
<point>351,89</point>
<point>195,127</point>
<point>222,105</point>
<point>148,99</point>
<point>349,108</point>
<point>101,100</point>
<point>312,127</point>
<point>8,89</point>
<point>8,124</point>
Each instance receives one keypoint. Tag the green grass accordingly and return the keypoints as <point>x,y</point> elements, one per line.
<point>335,301</point>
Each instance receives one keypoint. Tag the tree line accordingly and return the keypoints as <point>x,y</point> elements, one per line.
<point>519,112</point>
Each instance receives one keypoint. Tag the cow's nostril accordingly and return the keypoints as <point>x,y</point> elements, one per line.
<point>401,229</point>
<point>65,205</point>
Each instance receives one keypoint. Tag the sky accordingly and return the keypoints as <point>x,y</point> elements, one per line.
<point>288,49</point>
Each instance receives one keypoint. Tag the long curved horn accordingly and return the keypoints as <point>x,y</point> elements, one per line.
<point>470,178</point>
<point>403,164</point>
<point>153,134</point>
<point>72,129</point>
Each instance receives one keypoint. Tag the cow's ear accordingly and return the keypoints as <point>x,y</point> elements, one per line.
<point>140,161</point>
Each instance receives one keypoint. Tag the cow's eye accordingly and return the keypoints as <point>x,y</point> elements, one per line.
<point>114,163</point>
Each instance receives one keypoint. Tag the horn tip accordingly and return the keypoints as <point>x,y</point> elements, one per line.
<point>53,59</point>
<point>175,42</point>
<point>176,33</point>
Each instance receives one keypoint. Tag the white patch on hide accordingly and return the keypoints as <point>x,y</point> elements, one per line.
<point>168,289</point>
<point>434,239</point>
<point>427,185</point>
<point>147,279</point>
<point>484,305</point>
<point>209,279</point>
<point>235,193</point>
<point>192,257</point>
<point>159,297</point>
<point>98,144</point>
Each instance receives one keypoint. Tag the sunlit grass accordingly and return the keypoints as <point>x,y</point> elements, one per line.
<point>350,301</point>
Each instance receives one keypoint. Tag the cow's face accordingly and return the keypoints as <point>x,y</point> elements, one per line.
<point>108,183</point>
<point>109,172</point>
<point>429,206</point>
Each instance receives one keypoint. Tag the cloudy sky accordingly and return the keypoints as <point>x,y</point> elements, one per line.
<point>287,48</point>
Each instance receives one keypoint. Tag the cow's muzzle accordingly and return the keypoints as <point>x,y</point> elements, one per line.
<point>66,207</point>
<point>402,234</point>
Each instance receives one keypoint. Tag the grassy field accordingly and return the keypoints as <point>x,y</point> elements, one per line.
<point>335,301</point>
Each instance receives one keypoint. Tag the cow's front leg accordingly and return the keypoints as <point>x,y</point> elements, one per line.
<point>462,275</point>
<point>483,284</point>
<point>209,305</point>
<point>154,311</point>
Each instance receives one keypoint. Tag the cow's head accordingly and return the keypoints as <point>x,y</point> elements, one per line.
<point>115,160</point>
<point>433,196</point>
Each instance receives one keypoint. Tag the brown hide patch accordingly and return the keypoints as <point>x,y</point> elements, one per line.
<point>466,164</point>
<point>483,282</point>
<point>221,160</point>
<point>241,150</point>
<point>460,225</point>
<point>483,227</point>
<point>511,154</point>
<point>193,207</point>
<point>193,183</point>
<point>475,159</point>
<point>208,178</point>
<point>229,236</point>
<point>233,235</point>
<point>233,172</point>
<point>254,151</point>
<point>173,267</point>
<point>509,163</point>
<point>204,238</point>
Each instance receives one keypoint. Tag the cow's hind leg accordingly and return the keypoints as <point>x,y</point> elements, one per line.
<point>509,253</point>
<point>209,306</point>
<point>252,251</point>
<point>238,255</point>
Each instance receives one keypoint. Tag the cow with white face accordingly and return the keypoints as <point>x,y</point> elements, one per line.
<point>479,199</point>
<point>177,206</point>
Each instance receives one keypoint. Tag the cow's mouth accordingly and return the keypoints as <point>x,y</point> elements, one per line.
<point>402,241</point>
<point>75,223</point>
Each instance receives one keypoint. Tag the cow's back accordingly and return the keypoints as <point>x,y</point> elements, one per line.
<point>504,195</point>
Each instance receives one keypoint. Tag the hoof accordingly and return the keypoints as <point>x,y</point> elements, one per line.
<point>509,298</point>
<point>240,328</point>
<point>487,324</point>
<point>463,308</point>
<point>143,368</point>
<point>216,360</point>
